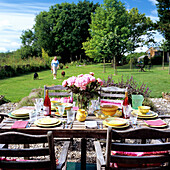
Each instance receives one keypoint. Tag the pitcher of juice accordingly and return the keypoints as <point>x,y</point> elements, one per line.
<point>137,100</point>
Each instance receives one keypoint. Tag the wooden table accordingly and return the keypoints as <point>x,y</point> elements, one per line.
<point>78,131</point>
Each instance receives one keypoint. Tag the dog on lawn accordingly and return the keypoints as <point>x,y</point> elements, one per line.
<point>35,76</point>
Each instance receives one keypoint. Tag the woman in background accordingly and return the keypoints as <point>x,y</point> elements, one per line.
<point>54,66</point>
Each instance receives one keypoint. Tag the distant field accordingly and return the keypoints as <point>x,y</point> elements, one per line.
<point>16,88</point>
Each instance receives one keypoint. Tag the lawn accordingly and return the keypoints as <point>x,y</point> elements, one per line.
<point>16,88</point>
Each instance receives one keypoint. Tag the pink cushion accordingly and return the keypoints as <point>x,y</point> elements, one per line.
<point>118,165</point>
<point>110,103</point>
<point>23,160</point>
<point>63,99</point>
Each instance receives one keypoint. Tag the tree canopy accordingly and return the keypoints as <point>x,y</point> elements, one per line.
<point>61,30</point>
<point>163,24</point>
<point>115,31</point>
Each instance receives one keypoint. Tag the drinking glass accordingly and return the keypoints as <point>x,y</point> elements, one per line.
<point>61,111</point>
<point>70,116</point>
<point>127,110</point>
<point>133,117</point>
<point>38,105</point>
<point>32,116</point>
<point>93,105</point>
<point>97,105</point>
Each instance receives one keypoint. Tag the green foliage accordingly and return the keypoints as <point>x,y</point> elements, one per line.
<point>163,26</point>
<point>131,84</point>
<point>45,57</point>
<point>115,31</point>
<point>134,57</point>
<point>61,30</point>
<point>13,66</point>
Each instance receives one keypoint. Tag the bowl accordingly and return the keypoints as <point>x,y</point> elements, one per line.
<point>68,106</point>
<point>54,103</point>
<point>144,109</point>
<point>109,110</point>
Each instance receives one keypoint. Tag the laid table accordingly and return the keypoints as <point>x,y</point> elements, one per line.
<point>78,130</point>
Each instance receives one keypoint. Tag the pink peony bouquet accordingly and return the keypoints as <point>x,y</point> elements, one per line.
<point>85,85</point>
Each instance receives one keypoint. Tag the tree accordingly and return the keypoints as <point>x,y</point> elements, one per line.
<point>163,25</point>
<point>62,29</point>
<point>115,31</point>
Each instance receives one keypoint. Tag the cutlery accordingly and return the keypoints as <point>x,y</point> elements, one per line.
<point>66,126</point>
<point>30,123</point>
<point>98,125</point>
<point>9,121</point>
<point>63,123</point>
<point>101,125</point>
<point>138,125</point>
<point>71,125</point>
<point>132,125</point>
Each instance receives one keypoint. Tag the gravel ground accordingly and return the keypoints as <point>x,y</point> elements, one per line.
<point>162,106</point>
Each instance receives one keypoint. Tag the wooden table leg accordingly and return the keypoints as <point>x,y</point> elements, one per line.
<point>83,154</point>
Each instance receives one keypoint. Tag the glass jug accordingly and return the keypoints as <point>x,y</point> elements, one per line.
<point>137,100</point>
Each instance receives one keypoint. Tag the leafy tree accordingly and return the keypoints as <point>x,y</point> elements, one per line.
<point>29,45</point>
<point>62,29</point>
<point>45,56</point>
<point>163,24</point>
<point>108,31</point>
<point>115,31</point>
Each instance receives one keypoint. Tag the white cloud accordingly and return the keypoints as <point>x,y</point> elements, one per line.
<point>14,18</point>
<point>154,2</point>
<point>154,12</point>
<point>3,49</point>
<point>157,37</point>
<point>153,18</point>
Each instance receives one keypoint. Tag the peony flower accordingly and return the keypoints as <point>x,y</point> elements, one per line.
<point>91,73</point>
<point>81,75</point>
<point>92,79</point>
<point>64,84</point>
<point>71,81</point>
<point>100,81</point>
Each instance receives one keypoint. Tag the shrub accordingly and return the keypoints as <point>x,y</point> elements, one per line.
<point>133,87</point>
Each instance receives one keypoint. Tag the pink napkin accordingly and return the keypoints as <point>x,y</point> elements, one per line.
<point>19,124</point>
<point>158,122</point>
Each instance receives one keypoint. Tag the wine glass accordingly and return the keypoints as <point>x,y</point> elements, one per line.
<point>93,105</point>
<point>61,110</point>
<point>127,110</point>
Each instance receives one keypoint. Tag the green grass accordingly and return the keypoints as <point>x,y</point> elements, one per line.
<point>16,88</point>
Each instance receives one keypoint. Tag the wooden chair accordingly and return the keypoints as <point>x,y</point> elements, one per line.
<point>21,138</point>
<point>159,161</point>
<point>57,90</point>
<point>2,116</point>
<point>112,94</point>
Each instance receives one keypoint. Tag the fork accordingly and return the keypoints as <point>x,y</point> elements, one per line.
<point>98,125</point>
<point>63,124</point>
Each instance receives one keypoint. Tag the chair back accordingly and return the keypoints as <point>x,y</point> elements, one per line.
<point>57,90</point>
<point>159,154</point>
<point>112,94</point>
<point>33,153</point>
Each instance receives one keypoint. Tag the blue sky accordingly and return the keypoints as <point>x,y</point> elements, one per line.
<point>19,15</point>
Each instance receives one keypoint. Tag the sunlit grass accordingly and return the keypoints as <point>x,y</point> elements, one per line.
<point>16,88</point>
